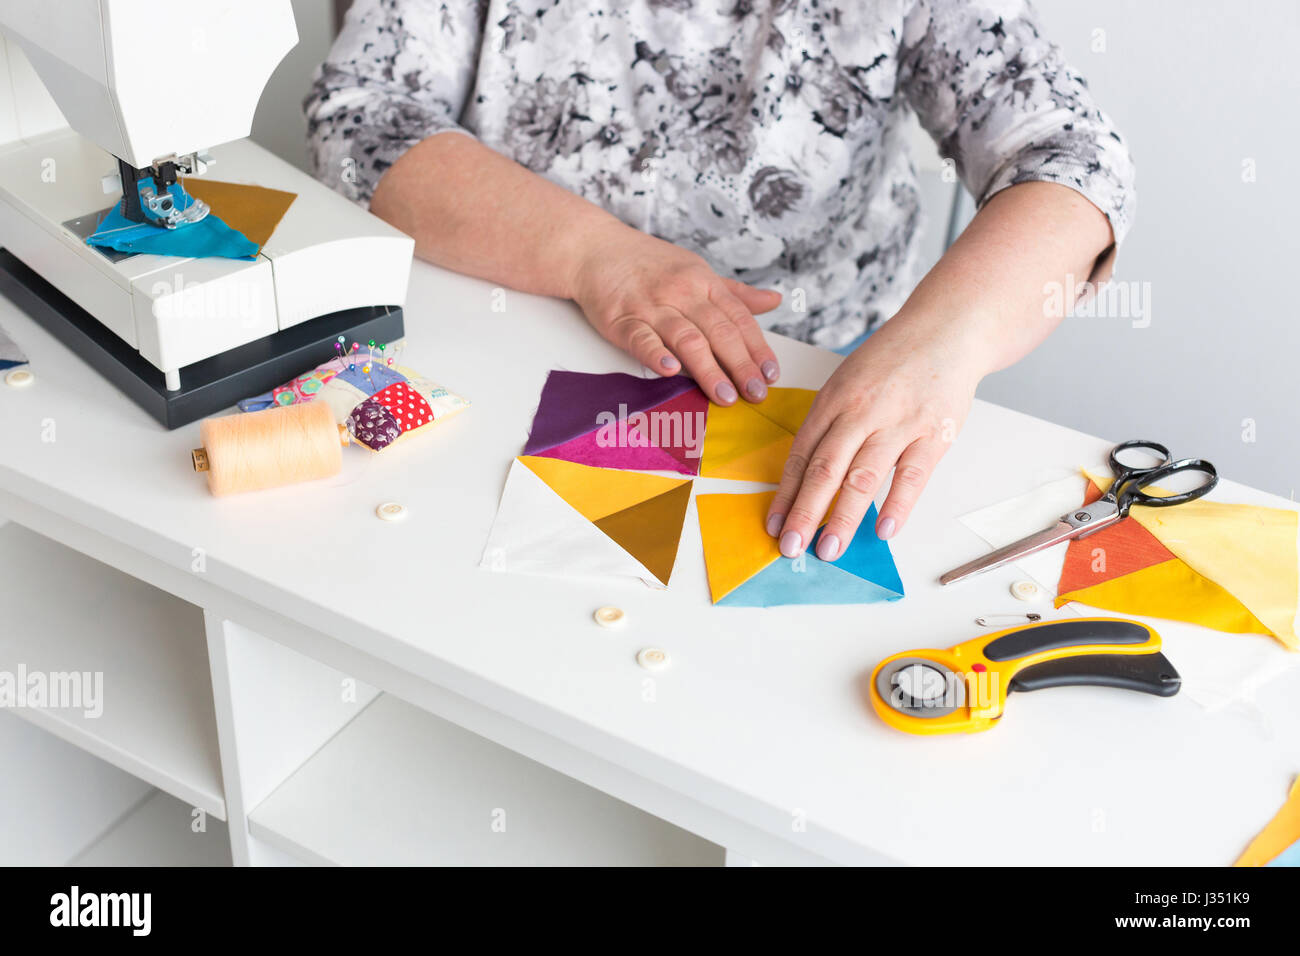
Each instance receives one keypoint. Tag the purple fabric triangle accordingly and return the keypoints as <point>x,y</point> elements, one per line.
<point>572,401</point>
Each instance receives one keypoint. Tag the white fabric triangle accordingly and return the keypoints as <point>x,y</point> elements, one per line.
<point>537,532</point>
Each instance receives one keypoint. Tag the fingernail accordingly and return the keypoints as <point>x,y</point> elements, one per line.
<point>791,544</point>
<point>828,548</point>
<point>771,371</point>
<point>756,389</point>
<point>774,523</point>
<point>668,362</point>
<point>726,393</point>
<point>885,529</point>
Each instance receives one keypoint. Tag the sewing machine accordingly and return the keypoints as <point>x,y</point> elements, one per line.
<point>98,97</point>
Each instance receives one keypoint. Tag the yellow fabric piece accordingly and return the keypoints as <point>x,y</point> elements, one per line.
<point>751,442</point>
<point>737,520</point>
<point>1247,550</point>
<point>1282,831</point>
<point>598,492</point>
<point>1173,591</point>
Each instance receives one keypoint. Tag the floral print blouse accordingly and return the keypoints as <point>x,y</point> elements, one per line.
<point>765,135</point>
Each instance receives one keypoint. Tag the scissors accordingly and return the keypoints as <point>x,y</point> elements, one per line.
<point>1128,489</point>
<point>964,689</point>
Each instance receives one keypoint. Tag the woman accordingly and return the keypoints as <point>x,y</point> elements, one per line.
<point>676,166</point>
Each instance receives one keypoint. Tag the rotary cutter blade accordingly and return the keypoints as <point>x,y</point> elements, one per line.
<point>964,688</point>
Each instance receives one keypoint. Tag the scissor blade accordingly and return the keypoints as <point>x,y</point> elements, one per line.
<point>1038,541</point>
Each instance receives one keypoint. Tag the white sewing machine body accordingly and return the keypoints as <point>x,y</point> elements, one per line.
<point>79,90</point>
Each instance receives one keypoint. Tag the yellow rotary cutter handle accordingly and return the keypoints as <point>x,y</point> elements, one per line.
<point>964,688</point>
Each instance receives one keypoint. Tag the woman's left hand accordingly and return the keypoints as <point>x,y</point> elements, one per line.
<point>898,401</point>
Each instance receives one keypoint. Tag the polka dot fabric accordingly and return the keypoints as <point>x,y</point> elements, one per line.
<point>407,406</point>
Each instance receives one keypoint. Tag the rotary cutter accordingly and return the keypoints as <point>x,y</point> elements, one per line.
<point>964,688</point>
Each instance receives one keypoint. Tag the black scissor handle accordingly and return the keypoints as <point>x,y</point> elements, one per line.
<point>1132,492</point>
<point>1120,470</point>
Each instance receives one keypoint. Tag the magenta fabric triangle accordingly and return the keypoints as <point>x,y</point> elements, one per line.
<point>586,450</point>
<point>585,417</point>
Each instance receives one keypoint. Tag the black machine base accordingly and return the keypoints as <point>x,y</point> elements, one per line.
<point>207,386</point>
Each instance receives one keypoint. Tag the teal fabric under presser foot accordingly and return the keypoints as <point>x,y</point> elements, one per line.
<point>197,240</point>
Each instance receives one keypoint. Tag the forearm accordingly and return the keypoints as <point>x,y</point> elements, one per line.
<point>984,300</point>
<point>472,210</point>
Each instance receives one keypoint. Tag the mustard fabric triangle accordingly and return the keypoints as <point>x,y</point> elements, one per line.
<point>736,547</point>
<point>1282,831</point>
<point>650,531</point>
<point>596,493</point>
<point>1173,591</point>
<point>752,442</point>
<point>1249,551</point>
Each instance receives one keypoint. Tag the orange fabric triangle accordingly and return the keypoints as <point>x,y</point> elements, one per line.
<point>1113,552</point>
<point>736,547</point>
<point>645,530</point>
<point>1173,591</point>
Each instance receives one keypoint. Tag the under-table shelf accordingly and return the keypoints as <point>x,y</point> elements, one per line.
<point>400,786</point>
<point>159,831</point>
<point>67,613</point>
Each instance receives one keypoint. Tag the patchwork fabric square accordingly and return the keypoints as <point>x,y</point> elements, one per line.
<point>620,421</point>
<point>561,518</point>
<point>747,569</point>
<point>1229,567</point>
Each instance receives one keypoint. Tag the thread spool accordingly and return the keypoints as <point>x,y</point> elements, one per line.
<point>277,446</point>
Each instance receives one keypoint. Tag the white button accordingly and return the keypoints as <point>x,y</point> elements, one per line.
<point>652,658</point>
<point>19,378</point>
<point>610,617</point>
<point>1025,590</point>
<point>391,511</point>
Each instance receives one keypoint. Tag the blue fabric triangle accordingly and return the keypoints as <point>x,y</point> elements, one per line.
<point>805,580</point>
<point>864,574</point>
<point>867,556</point>
<point>207,237</point>
<point>1288,857</point>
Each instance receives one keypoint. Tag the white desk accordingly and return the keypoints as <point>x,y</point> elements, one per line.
<point>759,738</point>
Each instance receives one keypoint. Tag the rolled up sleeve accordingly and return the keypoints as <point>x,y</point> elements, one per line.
<point>1000,101</point>
<point>399,72</point>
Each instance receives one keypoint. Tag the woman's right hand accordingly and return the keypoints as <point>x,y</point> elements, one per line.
<point>668,309</point>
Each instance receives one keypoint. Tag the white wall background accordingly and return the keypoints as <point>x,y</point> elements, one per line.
<point>1198,87</point>
<point>279,124</point>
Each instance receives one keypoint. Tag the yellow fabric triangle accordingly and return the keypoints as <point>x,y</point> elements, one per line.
<point>1282,831</point>
<point>1248,550</point>
<point>788,407</point>
<point>751,442</point>
<point>1173,591</point>
<point>736,547</point>
<point>739,442</point>
<point>598,492</point>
